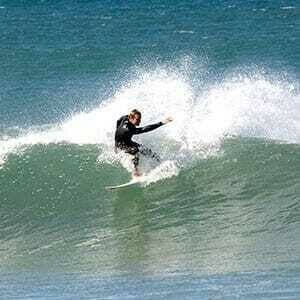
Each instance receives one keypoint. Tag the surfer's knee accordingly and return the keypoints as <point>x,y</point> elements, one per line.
<point>148,152</point>
<point>145,151</point>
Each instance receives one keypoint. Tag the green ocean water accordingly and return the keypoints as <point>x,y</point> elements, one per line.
<point>218,218</point>
<point>234,213</point>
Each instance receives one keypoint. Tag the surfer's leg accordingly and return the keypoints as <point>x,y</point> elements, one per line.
<point>149,153</point>
<point>135,161</point>
<point>134,151</point>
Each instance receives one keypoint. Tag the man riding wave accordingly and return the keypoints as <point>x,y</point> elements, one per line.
<point>126,128</point>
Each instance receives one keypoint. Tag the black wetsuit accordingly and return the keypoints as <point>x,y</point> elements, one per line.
<point>124,132</point>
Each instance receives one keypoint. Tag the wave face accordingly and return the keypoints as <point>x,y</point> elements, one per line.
<point>236,211</point>
<point>236,141</point>
<point>224,200</point>
<point>233,145</point>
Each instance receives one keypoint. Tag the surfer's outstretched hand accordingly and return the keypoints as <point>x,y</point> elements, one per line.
<point>167,120</point>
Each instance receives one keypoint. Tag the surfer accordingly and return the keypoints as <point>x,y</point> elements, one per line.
<point>126,128</point>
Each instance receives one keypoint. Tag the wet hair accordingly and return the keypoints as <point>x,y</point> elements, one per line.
<point>133,113</point>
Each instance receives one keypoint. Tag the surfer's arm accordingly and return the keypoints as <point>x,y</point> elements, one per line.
<point>151,127</point>
<point>147,128</point>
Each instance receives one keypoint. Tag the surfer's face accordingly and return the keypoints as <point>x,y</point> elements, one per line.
<point>135,120</point>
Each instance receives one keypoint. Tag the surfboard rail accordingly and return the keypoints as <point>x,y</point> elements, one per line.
<point>133,181</point>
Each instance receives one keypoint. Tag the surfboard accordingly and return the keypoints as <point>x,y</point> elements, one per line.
<point>133,181</point>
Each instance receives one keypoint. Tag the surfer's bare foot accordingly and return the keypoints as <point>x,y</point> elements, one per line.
<point>136,173</point>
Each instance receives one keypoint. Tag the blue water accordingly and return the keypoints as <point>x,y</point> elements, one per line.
<point>57,56</point>
<point>219,218</point>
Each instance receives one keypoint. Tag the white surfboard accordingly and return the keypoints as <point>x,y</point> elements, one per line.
<point>133,181</point>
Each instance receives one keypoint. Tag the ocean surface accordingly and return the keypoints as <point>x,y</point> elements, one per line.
<point>218,218</point>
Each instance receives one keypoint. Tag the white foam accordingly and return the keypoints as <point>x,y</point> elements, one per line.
<point>287,7</point>
<point>166,169</point>
<point>250,105</point>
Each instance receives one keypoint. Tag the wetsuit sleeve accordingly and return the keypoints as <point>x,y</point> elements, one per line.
<point>138,130</point>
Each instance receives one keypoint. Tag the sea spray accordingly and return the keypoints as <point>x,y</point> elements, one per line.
<point>249,105</point>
